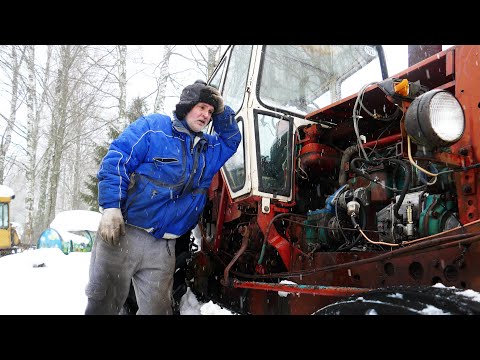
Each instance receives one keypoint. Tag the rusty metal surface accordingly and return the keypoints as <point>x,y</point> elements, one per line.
<point>452,263</point>
<point>467,91</point>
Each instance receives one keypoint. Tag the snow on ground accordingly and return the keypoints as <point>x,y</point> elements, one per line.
<point>48,282</point>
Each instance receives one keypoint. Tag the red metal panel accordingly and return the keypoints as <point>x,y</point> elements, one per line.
<point>467,91</point>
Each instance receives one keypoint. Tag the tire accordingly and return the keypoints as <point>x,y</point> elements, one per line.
<point>402,300</point>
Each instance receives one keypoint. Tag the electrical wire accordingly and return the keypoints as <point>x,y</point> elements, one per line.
<point>356,115</point>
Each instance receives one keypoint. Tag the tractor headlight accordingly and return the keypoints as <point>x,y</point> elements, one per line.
<point>435,119</point>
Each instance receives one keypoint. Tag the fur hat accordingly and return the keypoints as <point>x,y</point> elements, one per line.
<point>191,95</point>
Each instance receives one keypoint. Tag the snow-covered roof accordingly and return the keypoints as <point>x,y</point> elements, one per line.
<point>75,220</point>
<point>6,191</point>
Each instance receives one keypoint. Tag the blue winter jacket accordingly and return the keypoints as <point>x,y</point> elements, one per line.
<point>155,175</point>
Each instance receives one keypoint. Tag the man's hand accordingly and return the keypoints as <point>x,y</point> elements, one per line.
<point>218,98</point>
<point>111,226</point>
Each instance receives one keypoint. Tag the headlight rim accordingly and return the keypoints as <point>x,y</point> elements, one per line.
<point>418,122</point>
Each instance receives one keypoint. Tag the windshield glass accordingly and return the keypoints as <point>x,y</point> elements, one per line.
<point>3,215</point>
<point>303,78</point>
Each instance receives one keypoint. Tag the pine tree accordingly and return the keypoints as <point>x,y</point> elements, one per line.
<point>136,109</point>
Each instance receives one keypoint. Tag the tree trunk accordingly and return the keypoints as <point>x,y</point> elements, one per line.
<point>162,80</point>
<point>122,83</point>
<point>40,218</point>
<point>60,113</point>
<point>212,59</point>
<point>77,168</point>
<point>30,172</point>
<point>7,136</point>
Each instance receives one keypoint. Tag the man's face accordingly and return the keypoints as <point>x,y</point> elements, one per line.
<point>199,116</point>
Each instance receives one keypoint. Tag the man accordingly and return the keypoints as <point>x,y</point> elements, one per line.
<point>153,186</point>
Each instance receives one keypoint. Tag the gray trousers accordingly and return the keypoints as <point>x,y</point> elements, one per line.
<point>147,261</point>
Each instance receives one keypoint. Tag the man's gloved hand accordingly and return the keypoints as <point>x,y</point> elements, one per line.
<point>111,226</point>
<point>218,98</point>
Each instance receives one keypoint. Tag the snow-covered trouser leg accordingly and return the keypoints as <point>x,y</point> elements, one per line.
<point>153,281</point>
<point>139,256</point>
<point>111,269</point>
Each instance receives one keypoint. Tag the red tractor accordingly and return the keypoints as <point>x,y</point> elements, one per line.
<point>354,190</point>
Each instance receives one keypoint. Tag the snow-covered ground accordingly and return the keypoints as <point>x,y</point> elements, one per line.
<point>48,282</point>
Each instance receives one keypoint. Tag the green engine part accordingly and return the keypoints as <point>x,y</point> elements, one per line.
<point>434,218</point>
<point>317,234</point>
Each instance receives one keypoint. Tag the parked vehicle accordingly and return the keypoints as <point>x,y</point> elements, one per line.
<point>71,231</point>
<point>9,237</point>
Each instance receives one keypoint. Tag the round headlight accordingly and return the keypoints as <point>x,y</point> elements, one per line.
<point>435,119</point>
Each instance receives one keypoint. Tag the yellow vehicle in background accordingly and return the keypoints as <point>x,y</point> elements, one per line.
<point>9,239</point>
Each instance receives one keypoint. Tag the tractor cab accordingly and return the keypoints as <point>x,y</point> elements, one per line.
<point>9,238</point>
<point>272,88</point>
